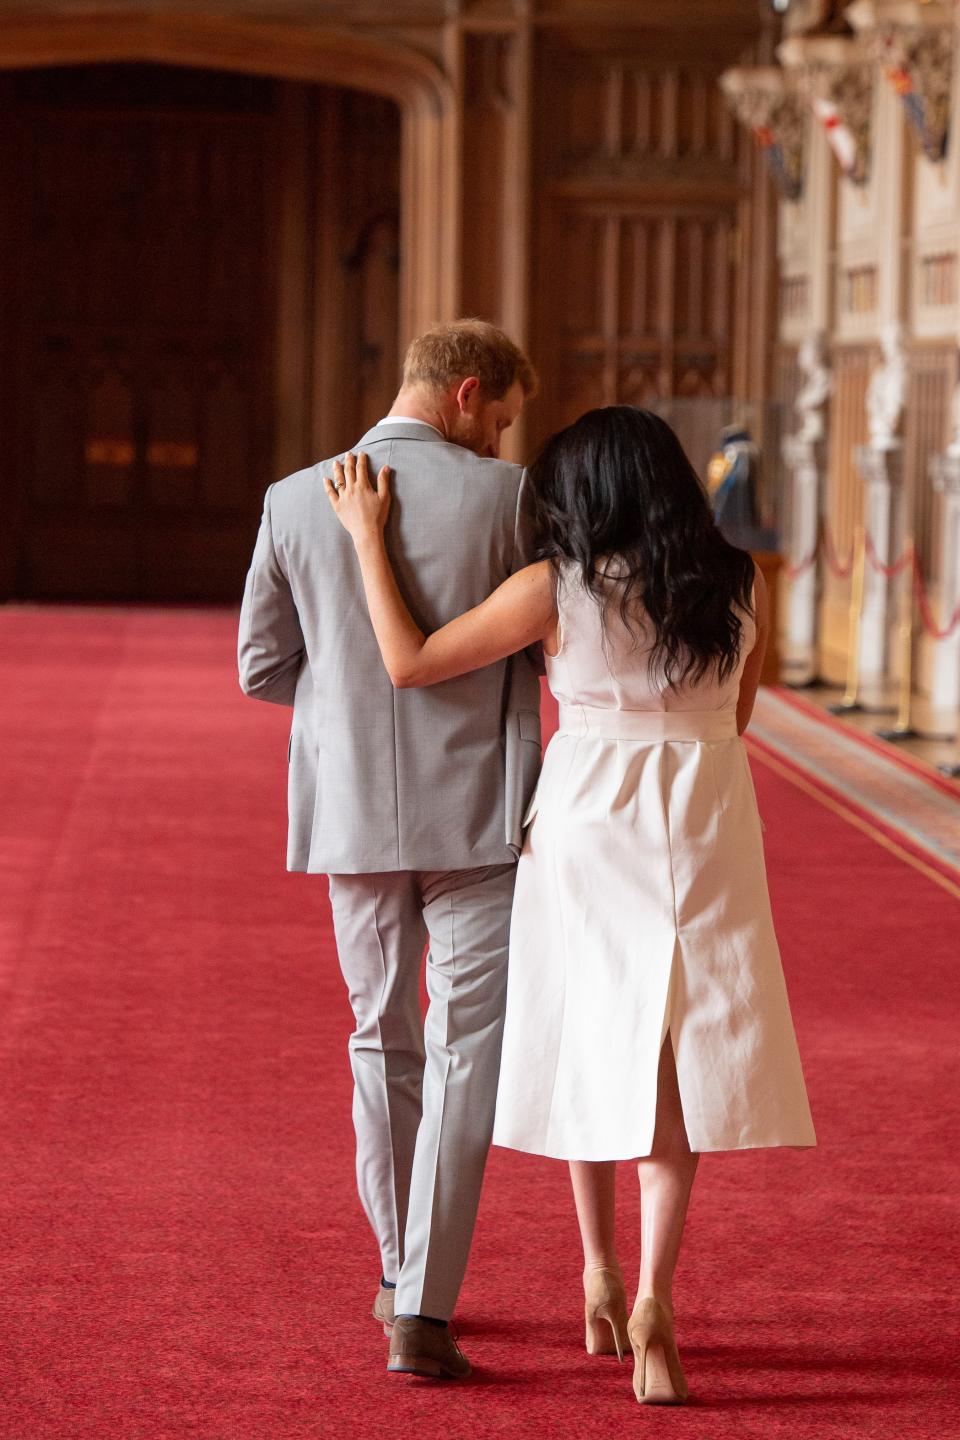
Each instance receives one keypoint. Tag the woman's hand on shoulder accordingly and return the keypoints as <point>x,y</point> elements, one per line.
<point>361,507</point>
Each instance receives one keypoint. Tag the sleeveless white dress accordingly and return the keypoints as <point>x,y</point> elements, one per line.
<point>641,910</point>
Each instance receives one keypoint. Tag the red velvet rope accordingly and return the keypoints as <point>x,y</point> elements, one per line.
<point>890,571</point>
<point>926,614</point>
<point>842,569</point>
<point>793,572</point>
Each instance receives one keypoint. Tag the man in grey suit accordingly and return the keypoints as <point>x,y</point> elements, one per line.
<point>411,801</point>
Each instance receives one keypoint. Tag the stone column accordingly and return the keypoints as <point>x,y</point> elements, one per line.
<point>882,471</point>
<point>805,459</point>
<point>945,691</point>
<point>804,453</point>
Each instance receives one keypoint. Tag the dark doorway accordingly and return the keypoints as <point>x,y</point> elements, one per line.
<point>138,328</point>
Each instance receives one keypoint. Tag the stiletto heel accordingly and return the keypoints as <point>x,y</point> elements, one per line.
<point>658,1377</point>
<point>605,1309</point>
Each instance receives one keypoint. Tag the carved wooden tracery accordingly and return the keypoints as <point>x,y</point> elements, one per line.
<point>158,246</point>
<point>572,174</point>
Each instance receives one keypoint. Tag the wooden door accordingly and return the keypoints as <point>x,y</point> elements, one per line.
<point>140,336</point>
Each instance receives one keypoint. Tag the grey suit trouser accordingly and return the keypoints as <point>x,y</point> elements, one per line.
<point>424,1091</point>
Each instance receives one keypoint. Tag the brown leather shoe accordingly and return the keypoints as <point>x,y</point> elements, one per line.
<point>418,1348</point>
<point>383,1308</point>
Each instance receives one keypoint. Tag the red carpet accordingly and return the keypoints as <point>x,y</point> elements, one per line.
<point>182,1251</point>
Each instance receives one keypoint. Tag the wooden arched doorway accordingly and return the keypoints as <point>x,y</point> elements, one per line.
<point>249,297</point>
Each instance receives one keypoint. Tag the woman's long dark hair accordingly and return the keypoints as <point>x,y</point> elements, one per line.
<point>617,486</point>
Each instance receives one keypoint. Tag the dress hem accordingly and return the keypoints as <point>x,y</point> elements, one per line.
<point>552,1154</point>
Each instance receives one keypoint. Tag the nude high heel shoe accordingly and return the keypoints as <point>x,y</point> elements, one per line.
<point>605,1309</point>
<point>658,1377</point>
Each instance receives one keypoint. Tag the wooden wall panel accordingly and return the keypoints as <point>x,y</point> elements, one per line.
<point>640,188</point>
<point>932,378</point>
<point>164,236</point>
<point>141,267</point>
<point>844,500</point>
<point>568,152</point>
<point>357,322</point>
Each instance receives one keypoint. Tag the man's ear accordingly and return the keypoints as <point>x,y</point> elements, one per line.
<point>468,388</point>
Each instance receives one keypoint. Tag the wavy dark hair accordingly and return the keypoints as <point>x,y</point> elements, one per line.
<point>617,485</point>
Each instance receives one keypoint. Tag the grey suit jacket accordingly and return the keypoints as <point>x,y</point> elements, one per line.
<point>384,779</point>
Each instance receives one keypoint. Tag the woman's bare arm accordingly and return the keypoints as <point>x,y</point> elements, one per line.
<point>519,612</point>
<point>750,679</point>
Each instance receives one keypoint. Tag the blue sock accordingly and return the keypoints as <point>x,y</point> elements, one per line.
<point>388,1284</point>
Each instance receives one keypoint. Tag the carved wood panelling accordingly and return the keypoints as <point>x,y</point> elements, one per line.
<point>843,502</point>
<point>931,381</point>
<point>637,213</point>
<point>489,116</point>
<point>848,429</point>
<point>859,290</point>
<point>794,297</point>
<point>616,114</point>
<point>356,297</point>
<point>142,246</point>
<point>142,342</point>
<point>648,309</point>
<point>938,280</point>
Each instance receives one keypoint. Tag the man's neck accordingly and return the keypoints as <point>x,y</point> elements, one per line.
<point>416,407</point>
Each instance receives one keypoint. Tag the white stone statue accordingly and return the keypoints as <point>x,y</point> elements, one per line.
<point>887,391</point>
<point>953,449</point>
<point>815,389</point>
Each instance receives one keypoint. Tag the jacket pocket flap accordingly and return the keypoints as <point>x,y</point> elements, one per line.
<point>529,723</point>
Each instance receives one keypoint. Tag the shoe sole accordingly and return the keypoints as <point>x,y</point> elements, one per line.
<point>658,1387</point>
<point>428,1369</point>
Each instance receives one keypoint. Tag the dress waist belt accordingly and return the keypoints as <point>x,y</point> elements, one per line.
<point>652,726</point>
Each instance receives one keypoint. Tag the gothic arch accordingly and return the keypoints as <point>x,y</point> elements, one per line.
<point>297,51</point>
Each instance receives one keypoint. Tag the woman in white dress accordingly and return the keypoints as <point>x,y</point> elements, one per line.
<point>647,1015</point>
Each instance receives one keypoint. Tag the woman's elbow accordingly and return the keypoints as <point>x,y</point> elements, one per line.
<point>402,679</point>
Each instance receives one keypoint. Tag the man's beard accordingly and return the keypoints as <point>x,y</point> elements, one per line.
<point>468,432</point>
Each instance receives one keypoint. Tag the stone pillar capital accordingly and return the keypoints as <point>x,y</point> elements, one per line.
<point>765,99</point>
<point>835,73</point>
<point>913,44</point>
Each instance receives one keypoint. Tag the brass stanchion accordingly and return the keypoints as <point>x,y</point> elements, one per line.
<point>813,680</point>
<point>851,703</point>
<point>903,727</point>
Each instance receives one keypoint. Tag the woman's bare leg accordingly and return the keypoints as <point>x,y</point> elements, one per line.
<point>666,1179</point>
<point>594,1192</point>
<point>605,1300</point>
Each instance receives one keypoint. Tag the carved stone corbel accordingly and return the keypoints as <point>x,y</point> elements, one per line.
<point>836,76</point>
<point>763,98</point>
<point>804,15</point>
<point>913,44</point>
